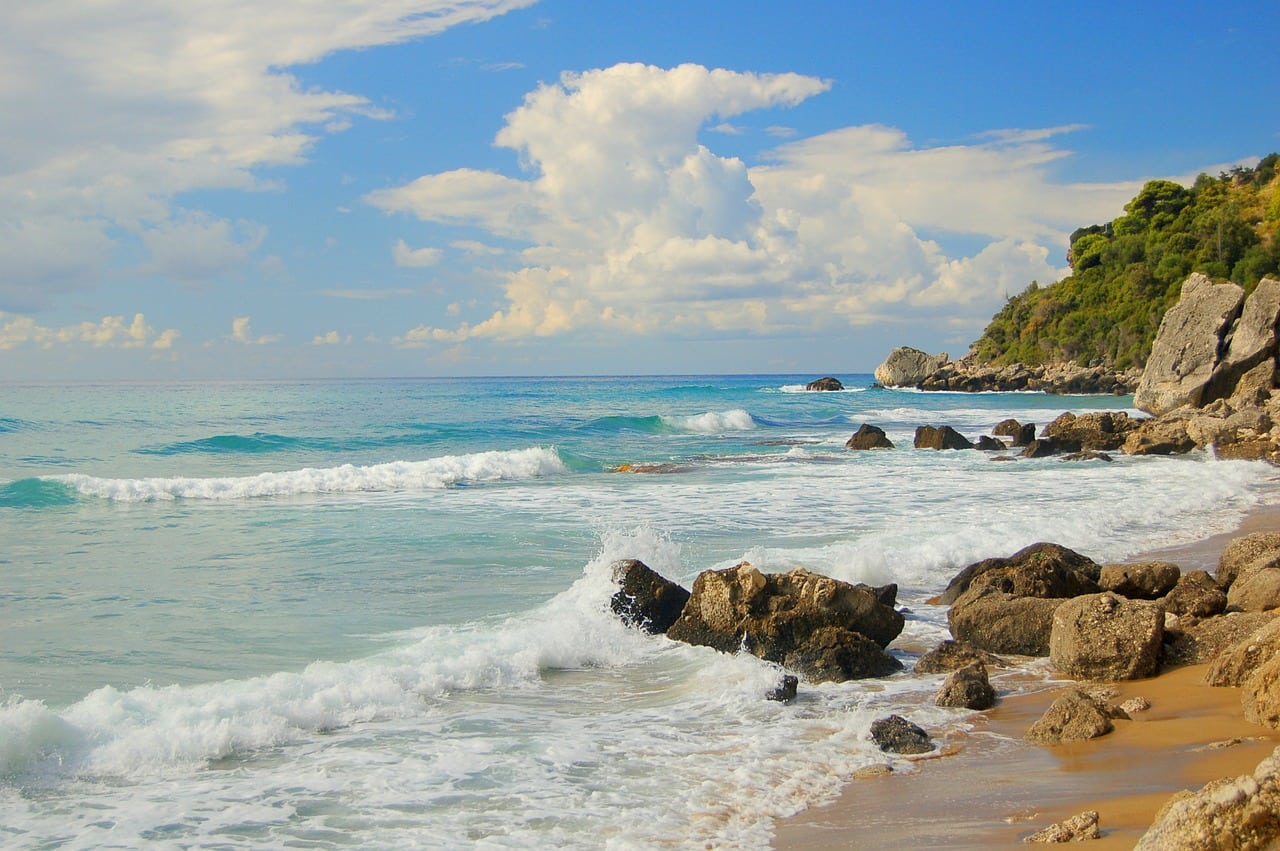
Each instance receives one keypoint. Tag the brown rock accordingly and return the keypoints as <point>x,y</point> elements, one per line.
<point>645,599</point>
<point>1002,623</point>
<point>1244,553</point>
<point>990,444</point>
<point>908,367</point>
<point>1258,590</point>
<point>1253,340</point>
<point>1040,570</point>
<point>953,655</point>
<point>1073,717</point>
<point>1196,594</point>
<point>1260,694</point>
<point>835,654</point>
<point>1095,430</point>
<point>1078,828</point>
<point>1106,637</point>
<point>896,734</point>
<point>1197,641</point>
<point>869,437</point>
<point>929,437</point>
<point>825,384</point>
<point>1007,428</point>
<point>1145,581</point>
<point>1166,435</point>
<point>967,688</point>
<point>1238,662</point>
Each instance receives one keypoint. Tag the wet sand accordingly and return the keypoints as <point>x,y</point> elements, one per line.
<point>996,788</point>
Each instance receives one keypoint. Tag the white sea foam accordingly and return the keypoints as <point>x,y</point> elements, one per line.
<point>431,474</point>
<point>712,422</point>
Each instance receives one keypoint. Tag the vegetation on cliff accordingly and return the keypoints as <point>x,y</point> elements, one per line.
<point>1126,273</point>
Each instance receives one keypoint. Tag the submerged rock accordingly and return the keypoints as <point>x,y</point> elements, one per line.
<point>825,384</point>
<point>951,655</point>
<point>1073,717</point>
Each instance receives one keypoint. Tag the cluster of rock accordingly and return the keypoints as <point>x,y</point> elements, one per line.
<point>908,367</point>
<point>1080,437</point>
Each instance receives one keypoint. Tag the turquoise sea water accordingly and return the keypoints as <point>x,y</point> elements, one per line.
<point>375,613</point>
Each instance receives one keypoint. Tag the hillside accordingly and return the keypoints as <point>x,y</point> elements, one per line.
<point>1126,273</point>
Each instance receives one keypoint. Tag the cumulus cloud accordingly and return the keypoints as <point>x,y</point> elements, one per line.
<point>405,256</point>
<point>332,338</point>
<point>243,334</point>
<point>109,332</point>
<point>631,224</point>
<point>113,107</point>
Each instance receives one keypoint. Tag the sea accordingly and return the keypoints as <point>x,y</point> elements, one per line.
<point>375,613</point>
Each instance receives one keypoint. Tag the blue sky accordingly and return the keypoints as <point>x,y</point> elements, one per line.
<point>509,187</point>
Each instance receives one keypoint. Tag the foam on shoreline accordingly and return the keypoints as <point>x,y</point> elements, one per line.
<point>999,788</point>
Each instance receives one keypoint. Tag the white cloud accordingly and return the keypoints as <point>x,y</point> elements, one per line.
<point>633,226</point>
<point>109,332</point>
<point>113,107</point>
<point>242,333</point>
<point>366,295</point>
<point>194,246</point>
<point>414,257</point>
<point>332,338</point>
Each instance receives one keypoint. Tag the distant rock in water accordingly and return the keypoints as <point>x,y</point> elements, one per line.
<point>908,367</point>
<point>827,383</point>
<point>930,437</point>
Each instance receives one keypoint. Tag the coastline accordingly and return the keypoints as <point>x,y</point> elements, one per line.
<point>994,788</point>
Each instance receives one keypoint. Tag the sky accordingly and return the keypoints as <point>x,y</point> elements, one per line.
<point>224,189</point>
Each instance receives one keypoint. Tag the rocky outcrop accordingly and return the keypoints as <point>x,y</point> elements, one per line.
<point>1189,346</point>
<point>945,437</point>
<point>1238,662</point>
<point>1245,554</point>
<point>645,599</point>
<point>1224,815</point>
<point>1073,717</point>
<point>869,437</point>
<point>896,734</point>
<point>967,688</point>
<point>1199,641</point>
<point>820,627</point>
<point>1104,637</point>
<point>1099,431</point>
<point>1019,434</point>
<point>907,367</point>
<point>827,384</point>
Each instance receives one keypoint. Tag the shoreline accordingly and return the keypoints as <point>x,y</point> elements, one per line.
<point>994,788</point>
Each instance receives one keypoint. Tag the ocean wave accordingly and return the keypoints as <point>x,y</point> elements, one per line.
<point>230,444</point>
<point>801,388</point>
<point>35,493</point>
<point>713,422</point>
<point>433,474</point>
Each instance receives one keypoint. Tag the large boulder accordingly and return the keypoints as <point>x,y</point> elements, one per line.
<point>1145,581</point>
<point>1256,591</point>
<point>1238,662</point>
<point>644,598</point>
<point>1002,623</point>
<point>1253,340</point>
<point>1106,637</point>
<point>1197,595</point>
<point>1246,553</point>
<point>1260,694</point>
<point>835,654</point>
<point>1188,345</point>
<point>869,437</point>
<point>1039,570</point>
<point>931,437</point>
<point>1073,717</point>
<point>785,618</point>
<point>908,367</point>
<point>1200,641</point>
<point>967,688</point>
<point>1225,815</point>
<point>1166,435</point>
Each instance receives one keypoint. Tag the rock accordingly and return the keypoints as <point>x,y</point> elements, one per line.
<point>1134,705</point>
<point>1239,661</point>
<point>645,599</point>
<point>786,690</point>
<point>1186,349</point>
<point>794,619</point>
<point>835,654</point>
<point>1224,815</point>
<point>1145,581</point>
<point>896,734</point>
<point>825,384</point>
<point>951,655</point>
<point>1106,637</point>
<point>1052,570</point>
<point>868,437</point>
<point>908,367</point>
<point>1196,594</point>
<point>886,595</point>
<point>990,444</point>
<point>1039,449</point>
<point>1078,828</point>
<point>1165,435</point>
<point>929,437</point>
<point>1007,428</point>
<point>1197,642</point>
<point>967,688</point>
<point>1087,455</point>
<point>1255,591</point>
<point>1260,694</point>
<point>1095,430</point>
<point>1003,623</point>
<point>1252,342</point>
<point>1073,717</point>
<point>1243,553</point>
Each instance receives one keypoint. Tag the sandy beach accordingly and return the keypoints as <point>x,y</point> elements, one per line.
<point>992,788</point>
